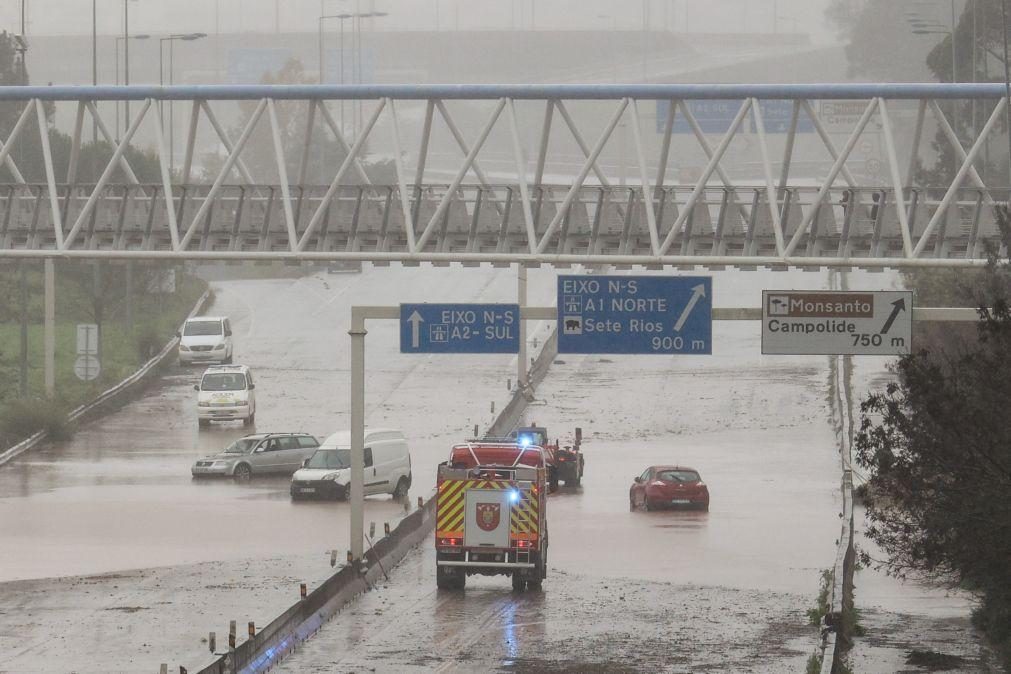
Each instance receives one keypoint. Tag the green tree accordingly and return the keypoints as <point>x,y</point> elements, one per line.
<point>325,156</point>
<point>937,447</point>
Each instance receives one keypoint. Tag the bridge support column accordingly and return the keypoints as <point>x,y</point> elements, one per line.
<point>49,340</point>
<point>521,299</point>
<point>357,483</point>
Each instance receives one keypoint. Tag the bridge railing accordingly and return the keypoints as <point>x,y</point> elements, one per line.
<point>516,193</point>
<point>724,225</point>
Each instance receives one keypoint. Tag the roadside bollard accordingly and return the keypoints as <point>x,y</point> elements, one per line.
<point>231,635</point>
<point>372,529</point>
<point>386,528</point>
<point>212,642</point>
<point>302,591</point>
<point>493,407</point>
<point>333,558</point>
<point>475,431</point>
<point>509,387</point>
<point>252,629</point>
<point>350,558</point>
<point>164,668</point>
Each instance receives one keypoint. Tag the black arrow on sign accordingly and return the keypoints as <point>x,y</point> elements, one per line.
<point>897,306</point>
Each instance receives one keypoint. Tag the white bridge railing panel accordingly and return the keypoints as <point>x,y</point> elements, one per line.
<point>489,173</point>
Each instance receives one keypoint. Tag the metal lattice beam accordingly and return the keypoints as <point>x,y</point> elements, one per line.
<point>506,217</point>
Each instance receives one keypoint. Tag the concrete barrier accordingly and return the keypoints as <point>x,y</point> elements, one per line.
<point>834,640</point>
<point>304,618</point>
<point>96,407</point>
<point>511,414</point>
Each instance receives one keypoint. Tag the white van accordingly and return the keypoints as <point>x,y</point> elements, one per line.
<point>327,473</point>
<point>226,393</point>
<point>205,339</point>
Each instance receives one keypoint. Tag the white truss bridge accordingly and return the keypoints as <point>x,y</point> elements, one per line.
<point>830,221</point>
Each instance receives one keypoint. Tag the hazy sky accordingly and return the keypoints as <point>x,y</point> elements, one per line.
<point>56,17</point>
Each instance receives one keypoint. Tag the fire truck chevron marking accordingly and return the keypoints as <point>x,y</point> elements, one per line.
<point>452,497</point>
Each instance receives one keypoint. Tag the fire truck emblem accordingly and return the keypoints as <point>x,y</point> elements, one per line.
<point>488,515</point>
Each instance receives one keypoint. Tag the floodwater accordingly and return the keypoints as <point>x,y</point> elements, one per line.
<point>110,549</point>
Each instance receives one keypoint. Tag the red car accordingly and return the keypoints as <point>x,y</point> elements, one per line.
<point>668,487</point>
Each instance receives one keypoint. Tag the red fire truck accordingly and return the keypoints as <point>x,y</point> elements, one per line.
<point>491,514</point>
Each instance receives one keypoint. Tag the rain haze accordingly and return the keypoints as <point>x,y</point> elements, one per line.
<point>299,376</point>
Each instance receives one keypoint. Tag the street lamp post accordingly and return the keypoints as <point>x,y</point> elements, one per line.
<point>171,39</point>
<point>921,26</point>
<point>119,40</point>
<point>356,59</point>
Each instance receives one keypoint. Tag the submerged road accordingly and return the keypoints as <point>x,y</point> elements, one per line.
<point>726,590</point>
<point>109,549</point>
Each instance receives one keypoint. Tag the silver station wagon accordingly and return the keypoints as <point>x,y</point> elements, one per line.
<point>259,454</point>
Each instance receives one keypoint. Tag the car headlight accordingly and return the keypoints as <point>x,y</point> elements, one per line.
<point>242,403</point>
<point>183,347</point>
<point>332,477</point>
<point>220,464</point>
<point>203,403</point>
<point>219,347</point>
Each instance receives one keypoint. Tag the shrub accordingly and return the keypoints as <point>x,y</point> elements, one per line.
<point>20,419</point>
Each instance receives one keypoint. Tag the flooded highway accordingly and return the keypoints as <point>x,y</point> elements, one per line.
<point>675,591</point>
<point>145,561</point>
<point>148,560</point>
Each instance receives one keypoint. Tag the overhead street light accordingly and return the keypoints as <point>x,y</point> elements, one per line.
<point>119,41</point>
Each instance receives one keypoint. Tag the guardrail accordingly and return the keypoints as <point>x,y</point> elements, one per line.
<point>89,409</point>
<point>833,636</point>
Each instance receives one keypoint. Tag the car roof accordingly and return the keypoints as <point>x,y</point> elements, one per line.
<point>343,438</point>
<point>673,468</point>
<point>227,368</point>
<point>206,318</point>
<point>261,436</point>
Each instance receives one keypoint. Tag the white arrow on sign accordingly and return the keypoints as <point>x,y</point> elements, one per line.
<point>697,292</point>
<point>415,320</point>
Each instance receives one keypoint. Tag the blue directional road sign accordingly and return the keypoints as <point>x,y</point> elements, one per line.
<point>716,116</point>
<point>635,314</point>
<point>459,328</point>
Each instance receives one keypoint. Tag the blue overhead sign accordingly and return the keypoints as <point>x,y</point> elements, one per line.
<point>716,116</point>
<point>459,328</point>
<point>635,314</point>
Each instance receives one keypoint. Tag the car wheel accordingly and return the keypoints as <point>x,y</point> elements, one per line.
<point>242,472</point>
<point>519,583</point>
<point>400,493</point>
<point>204,423</point>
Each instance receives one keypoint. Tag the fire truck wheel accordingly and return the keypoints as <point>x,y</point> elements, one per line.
<point>518,582</point>
<point>444,580</point>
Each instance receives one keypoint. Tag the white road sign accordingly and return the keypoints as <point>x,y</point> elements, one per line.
<point>87,339</point>
<point>87,368</point>
<point>875,323</point>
